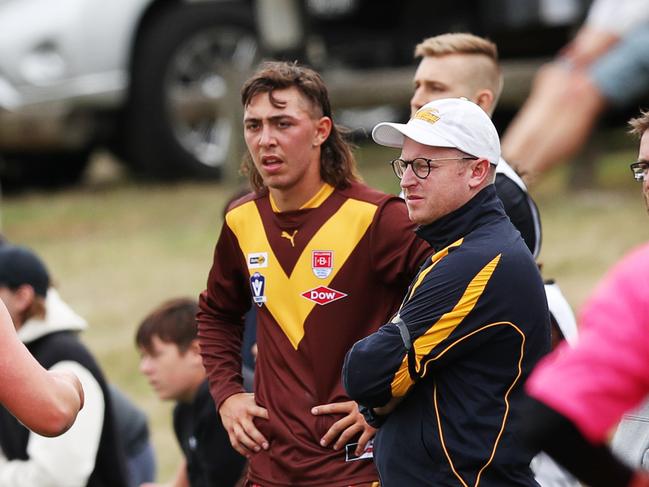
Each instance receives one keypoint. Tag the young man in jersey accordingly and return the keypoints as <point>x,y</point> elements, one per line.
<point>465,65</point>
<point>444,377</point>
<point>308,249</point>
<point>579,395</point>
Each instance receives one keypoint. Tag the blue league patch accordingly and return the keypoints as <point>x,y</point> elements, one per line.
<point>258,287</point>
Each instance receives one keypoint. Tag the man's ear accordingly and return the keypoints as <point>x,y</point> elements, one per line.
<point>485,100</point>
<point>24,297</point>
<point>323,129</point>
<point>480,172</point>
<point>195,349</point>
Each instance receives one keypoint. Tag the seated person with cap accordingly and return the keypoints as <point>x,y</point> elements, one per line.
<point>89,453</point>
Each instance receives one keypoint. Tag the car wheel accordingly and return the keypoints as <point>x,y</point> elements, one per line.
<point>183,118</point>
<point>46,170</point>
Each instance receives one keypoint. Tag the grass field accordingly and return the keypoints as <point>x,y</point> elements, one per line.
<point>116,249</point>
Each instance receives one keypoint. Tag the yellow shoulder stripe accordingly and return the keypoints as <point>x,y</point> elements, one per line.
<point>434,260</point>
<point>443,327</point>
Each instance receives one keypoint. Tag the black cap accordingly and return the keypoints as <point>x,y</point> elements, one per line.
<point>19,265</point>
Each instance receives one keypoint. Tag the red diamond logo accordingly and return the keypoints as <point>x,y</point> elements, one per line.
<point>323,295</point>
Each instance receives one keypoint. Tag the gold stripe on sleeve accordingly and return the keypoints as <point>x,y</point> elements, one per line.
<point>442,328</point>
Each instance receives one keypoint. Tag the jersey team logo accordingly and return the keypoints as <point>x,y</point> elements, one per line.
<point>322,263</point>
<point>258,287</point>
<point>257,260</point>
<point>323,295</point>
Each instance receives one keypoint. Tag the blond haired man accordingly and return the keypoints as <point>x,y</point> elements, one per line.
<point>464,65</point>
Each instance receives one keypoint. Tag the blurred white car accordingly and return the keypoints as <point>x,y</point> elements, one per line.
<point>147,78</point>
<point>157,81</point>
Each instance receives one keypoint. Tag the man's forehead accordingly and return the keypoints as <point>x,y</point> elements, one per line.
<point>285,100</point>
<point>446,66</point>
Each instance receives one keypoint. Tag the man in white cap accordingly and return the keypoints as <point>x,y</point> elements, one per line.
<point>443,379</point>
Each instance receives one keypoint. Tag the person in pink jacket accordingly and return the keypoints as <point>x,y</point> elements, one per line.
<point>578,395</point>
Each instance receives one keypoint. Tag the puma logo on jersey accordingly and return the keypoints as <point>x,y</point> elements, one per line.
<point>289,236</point>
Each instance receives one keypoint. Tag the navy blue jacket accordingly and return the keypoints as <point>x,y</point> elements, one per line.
<point>471,328</point>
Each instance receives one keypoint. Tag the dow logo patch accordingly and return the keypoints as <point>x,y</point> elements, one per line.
<point>323,295</point>
<point>258,288</point>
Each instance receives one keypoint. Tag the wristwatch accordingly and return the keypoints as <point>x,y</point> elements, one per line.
<point>371,418</point>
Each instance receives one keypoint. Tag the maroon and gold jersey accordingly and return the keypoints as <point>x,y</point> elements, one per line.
<point>321,278</point>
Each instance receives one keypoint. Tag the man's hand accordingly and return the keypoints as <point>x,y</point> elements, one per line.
<point>347,427</point>
<point>237,414</point>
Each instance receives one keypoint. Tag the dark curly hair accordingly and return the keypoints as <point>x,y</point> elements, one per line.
<point>337,163</point>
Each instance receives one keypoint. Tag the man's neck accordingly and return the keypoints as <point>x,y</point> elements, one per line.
<point>190,393</point>
<point>296,197</point>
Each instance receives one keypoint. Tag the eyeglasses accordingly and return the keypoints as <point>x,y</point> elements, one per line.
<point>421,165</point>
<point>639,170</point>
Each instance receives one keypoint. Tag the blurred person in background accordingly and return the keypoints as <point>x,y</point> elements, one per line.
<point>171,361</point>
<point>130,421</point>
<point>282,249</point>
<point>606,65</point>
<point>49,400</point>
<point>465,65</point>
<point>631,440</point>
<point>46,402</point>
<point>89,453</point>
<point>578,395</point>
<point>133,433</point>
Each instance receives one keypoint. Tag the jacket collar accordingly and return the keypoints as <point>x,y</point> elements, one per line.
<point>482,208</point>
<point>58,317</point>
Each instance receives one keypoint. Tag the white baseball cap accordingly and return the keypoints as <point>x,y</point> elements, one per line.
<point>447,122</point>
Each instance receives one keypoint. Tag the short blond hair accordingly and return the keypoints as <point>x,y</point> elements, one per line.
<point>466,44</point>
<point>640,124</point>
<point>457,43</point>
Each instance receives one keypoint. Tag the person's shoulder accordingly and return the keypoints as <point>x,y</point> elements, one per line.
<point>638,256</point>
<point>362,192</point>
<point>243,199</point>
<point>505,171</point>
<point>238,210</point>
<point>634,265</point>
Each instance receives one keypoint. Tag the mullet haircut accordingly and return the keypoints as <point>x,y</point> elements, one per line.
<point>337,163</point>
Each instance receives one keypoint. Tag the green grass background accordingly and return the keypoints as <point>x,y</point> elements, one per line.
<point>116,249</point>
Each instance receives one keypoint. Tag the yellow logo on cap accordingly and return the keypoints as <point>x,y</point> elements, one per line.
<point>427,115</point>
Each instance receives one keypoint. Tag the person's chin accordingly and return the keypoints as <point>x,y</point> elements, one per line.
<point>415,217</point>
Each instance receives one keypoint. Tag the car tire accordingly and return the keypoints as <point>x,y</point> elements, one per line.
<point>185,52</point>
<point>42,170</point>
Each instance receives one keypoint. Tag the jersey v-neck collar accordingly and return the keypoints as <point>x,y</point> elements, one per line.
<point>323,193</point>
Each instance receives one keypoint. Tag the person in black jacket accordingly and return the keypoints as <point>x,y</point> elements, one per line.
<point>443,379</point>
<point>89,454</point>
<point>172,363</point>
